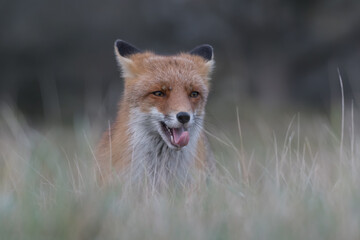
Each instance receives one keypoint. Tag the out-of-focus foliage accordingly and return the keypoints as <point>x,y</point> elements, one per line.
<point>56,57</point>
<point>292,180</point>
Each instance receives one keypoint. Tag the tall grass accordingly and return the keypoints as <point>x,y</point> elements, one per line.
<point>298,180</point>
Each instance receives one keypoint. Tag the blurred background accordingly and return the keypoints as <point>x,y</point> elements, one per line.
<point>57,62</point>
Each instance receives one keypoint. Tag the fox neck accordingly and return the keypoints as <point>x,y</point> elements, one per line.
<point>152,160</point>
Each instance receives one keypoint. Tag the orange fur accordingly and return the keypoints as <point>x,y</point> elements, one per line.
<point>144,73</point>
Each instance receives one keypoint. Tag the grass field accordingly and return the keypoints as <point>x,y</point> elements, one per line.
<point>291,178</point>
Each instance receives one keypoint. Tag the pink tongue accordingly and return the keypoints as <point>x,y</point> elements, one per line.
<point>181,137</point>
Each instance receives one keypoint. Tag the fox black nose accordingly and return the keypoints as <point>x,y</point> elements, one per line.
<point>183,117</point>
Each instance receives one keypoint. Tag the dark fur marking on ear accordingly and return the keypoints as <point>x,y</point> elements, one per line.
<point>205,51</point>
<point>125,49</point>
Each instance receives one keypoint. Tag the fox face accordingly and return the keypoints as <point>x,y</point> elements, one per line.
<point>158,133</point>
<point>166,94</point>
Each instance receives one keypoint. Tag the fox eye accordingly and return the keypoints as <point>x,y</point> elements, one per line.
<point>158,93</point>
<point>194,94</point>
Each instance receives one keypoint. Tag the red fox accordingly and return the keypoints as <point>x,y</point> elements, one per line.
<point>158,133</point>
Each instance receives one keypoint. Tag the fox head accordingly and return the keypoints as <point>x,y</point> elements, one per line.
<point>166,95</point>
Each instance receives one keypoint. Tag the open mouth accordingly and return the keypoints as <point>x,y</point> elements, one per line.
<point>178,137</point>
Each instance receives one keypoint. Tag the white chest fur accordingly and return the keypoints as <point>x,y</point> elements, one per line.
<point>152,161</point>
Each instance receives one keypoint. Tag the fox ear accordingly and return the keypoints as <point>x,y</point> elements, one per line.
<point>206,52</point>
<point>123,51</point>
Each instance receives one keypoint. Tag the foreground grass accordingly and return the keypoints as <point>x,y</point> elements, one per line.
<point>299,182</point>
